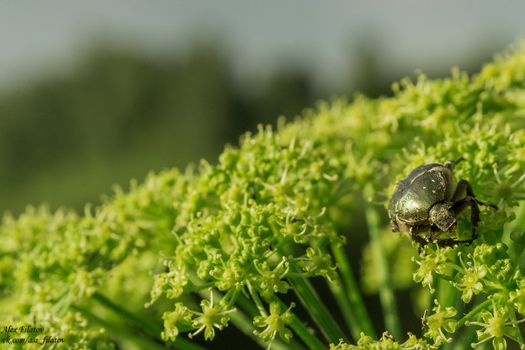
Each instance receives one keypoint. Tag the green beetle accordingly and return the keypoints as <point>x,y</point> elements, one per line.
<point>427,202</point>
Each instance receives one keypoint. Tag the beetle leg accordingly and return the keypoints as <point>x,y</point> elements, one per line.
<point>444,242</point>
<point>433,234</point>
<point>464,188</point>
<point>459,206</point>
<point>449,242</point>
<point>418,239</point>
<point>395,227</point>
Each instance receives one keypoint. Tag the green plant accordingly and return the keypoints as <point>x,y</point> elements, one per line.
<point>234,243</point>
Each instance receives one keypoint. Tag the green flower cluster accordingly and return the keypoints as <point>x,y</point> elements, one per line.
<point>268,213</point>
<point>256,240</point>
<point>255,226</point>
<point>54,264</point>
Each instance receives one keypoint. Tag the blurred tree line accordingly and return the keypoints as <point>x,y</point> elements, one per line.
<point>65,140</point>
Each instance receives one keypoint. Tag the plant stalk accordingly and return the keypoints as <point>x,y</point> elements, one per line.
<point>361,319</point>
<point>472,313</point>
<point>146,342</point>
<point>352,322</point>
<point>386,291</point>
<point>300,329</point>
<point>317,310</point>
<point>245,325</point>
<point>149,328</point>
<point>514,319</point>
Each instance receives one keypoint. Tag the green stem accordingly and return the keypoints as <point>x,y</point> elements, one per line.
<point>300,329</point>
<point>238,319</point>
<point>386,291</point>
<point>472,313</point>
<point>257,301</point>
<point>514,319</point>
<point>150,329</point>
<point>245,325</point>
<point>246,304</point>
<point>145,342</point>
<point>447,296</point>
<point>352,322</point>
<point>363,323</point>
<point>319,313</point>
<point>464,342</point>
<point>446,293</point>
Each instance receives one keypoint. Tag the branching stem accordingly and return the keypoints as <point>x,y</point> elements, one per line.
<point>475,310</point>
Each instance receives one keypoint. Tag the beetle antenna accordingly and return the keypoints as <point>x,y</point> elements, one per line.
<point>452,163</point>
<point>460,159</point>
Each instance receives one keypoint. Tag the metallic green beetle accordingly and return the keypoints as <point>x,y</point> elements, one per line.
<point>427,202</point>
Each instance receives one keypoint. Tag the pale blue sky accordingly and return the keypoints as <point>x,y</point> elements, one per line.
<point>38,37</point>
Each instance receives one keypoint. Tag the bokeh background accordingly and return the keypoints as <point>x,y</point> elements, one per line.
<point>94,93</point>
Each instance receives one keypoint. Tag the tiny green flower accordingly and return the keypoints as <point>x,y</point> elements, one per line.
<point>495,327</point>
<point>274,323</point>
<point>430,265</point>
<point>176,280</point>
<point>496,259</point>
<point>270,281</point>
<point>470,279</point>
<point>439,322</point>
<point>173,320</point>
<point>517,296</point>
<point>471,282</point>
<point>318,263</point>
<point>386,342</point>
<point>415,343</point>
<point>231,276</point>
<point>212,316</point>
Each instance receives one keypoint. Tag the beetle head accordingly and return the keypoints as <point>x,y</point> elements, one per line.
<point>443,217</point>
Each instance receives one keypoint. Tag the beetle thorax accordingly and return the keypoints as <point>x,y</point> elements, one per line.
<point>442,216</point>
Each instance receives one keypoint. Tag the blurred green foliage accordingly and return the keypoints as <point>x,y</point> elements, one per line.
<point>67,139</point>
